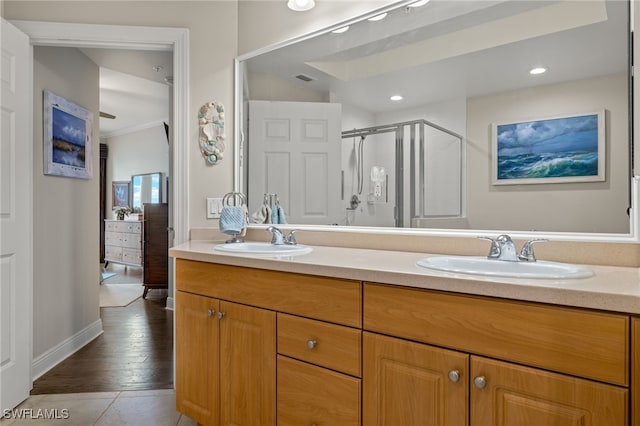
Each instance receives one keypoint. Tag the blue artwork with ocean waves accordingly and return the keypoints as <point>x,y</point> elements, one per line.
<point>553,148</point>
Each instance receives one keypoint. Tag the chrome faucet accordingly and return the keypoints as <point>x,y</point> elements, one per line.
<point>278,238</point>
<point>503,248</point>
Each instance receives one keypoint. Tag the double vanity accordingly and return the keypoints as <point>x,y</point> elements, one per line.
<point>341,336</point>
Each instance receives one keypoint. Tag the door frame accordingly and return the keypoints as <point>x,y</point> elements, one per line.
<point>135,38</point>
<point>138,38</point>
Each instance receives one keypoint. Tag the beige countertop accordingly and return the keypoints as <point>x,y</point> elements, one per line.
<point>611,288</point>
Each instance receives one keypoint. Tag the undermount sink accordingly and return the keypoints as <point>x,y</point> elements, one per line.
<point>263,248</point>
<point>500,268</point>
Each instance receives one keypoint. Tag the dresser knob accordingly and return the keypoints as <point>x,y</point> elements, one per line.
<point>480,382</point>
<point>311,344</point>
<point>454,376</point>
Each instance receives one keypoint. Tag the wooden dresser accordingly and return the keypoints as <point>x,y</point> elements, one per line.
<point>123,242</point>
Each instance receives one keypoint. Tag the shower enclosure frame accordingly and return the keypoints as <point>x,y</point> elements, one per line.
<point>399,130</point>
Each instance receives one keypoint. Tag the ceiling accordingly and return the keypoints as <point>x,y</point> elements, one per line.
<point>133,87</point>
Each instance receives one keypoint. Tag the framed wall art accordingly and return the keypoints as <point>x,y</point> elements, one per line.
<point>68,144</point>
<point>549,150</point>
<point>120,194</point>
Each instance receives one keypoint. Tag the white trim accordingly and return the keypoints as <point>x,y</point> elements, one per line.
<point>133,129</point>
<point>65,349</point>
<point>137,38</point>
<point>170,303</point>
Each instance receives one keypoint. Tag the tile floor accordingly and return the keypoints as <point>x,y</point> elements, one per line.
<point>128,408</point>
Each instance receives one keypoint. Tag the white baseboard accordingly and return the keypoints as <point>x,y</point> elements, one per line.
<point>63,350</point>
<point>170,305</point>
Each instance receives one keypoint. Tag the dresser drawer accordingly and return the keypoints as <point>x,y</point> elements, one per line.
<point>309,395</point>
<point>131,240</point>
<point>328,345</point>
<point>113,253</point>
<point>327,299</point>
<point>129,227</point>
<point>569,340</point>
<point>113,238</point>
<point>131,256</point>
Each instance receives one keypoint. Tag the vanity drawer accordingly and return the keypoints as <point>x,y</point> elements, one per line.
<point>327,299</point>
<point>586,343</point>
<point>328,345</point>
<point>309,395</point>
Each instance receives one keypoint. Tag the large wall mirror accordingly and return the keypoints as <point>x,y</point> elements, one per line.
<point>433,117</point>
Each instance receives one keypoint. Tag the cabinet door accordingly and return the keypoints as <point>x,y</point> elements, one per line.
<point>312,395</point>
<point>413,384</point>
<point>247,365</point>
<point>197,389</point>
<point>505,394</point>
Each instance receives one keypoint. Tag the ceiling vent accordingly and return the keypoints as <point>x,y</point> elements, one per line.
<point>304,78</point>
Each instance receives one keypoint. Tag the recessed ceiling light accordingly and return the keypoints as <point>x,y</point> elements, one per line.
<point>537,70</point>
<point>301,5</point>
<point>378,17</point>
<point>341,30</point>
<point>418,3</point>
<point>396,98</point>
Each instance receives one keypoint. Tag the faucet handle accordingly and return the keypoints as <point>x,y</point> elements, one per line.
<point>527,253</point>
<point>494,250</point>
<point>277,235</point>
<point>291,238</point>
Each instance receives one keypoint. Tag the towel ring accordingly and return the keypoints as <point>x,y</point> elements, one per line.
<point>234,199</point>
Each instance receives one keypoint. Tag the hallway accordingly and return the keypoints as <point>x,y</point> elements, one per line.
<point>135,352</point>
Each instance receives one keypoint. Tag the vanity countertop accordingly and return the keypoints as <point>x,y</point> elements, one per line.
<point>611,288</point>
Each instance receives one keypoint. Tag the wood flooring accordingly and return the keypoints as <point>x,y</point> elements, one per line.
<point>135,352</point>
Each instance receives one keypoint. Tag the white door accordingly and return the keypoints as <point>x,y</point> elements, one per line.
<point>294,152</point>
<point>16,259</point>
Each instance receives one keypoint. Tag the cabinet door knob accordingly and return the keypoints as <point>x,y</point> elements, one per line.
<point>220,315</point>
<point>454,376</point>
<point>480,382</point>
<point>311,344</point>
<point>210,312</point>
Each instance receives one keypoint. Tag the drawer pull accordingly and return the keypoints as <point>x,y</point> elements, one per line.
<point>480,382</point>
<point>454,376</point>
<point>311,344</point>
<point>210,312</point>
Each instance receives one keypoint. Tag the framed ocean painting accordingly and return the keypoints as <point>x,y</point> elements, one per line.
<point>67,138</point>
<point>549,150</point>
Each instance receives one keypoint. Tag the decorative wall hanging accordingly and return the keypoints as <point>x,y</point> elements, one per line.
<point>551,150</point>
<point>68,130</point>
<point>211,118</point>
<point>120,191</point>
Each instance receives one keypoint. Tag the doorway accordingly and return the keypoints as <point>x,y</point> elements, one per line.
<point>75,35</point>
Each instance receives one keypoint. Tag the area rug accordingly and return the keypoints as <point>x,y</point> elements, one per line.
<point>118,295</point>
<point>106,275</point>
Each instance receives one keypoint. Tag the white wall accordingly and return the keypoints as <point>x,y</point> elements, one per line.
<point>579,207</point>
<point>66,211</point>
<point>144,151</point>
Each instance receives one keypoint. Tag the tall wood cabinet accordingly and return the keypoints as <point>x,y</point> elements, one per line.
<point>156,247</point>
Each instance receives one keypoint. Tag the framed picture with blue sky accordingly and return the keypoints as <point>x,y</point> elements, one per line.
<point>549,150</point>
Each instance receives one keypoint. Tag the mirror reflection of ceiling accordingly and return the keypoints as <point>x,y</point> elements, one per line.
<point>464,65</point>
<point>456,44</point>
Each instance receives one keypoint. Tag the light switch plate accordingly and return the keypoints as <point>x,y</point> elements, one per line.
<point>214,207</point>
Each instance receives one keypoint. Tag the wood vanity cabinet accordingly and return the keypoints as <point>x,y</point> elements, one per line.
<point>225,359</point>
<point>227,344</point>
<point>274,348</point>
<point>570,342</point>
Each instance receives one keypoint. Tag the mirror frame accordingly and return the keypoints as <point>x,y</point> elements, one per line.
<point>634,213</point>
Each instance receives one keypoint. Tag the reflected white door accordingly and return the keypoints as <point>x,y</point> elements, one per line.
<point>16,258</point>
<point>294,151</point>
